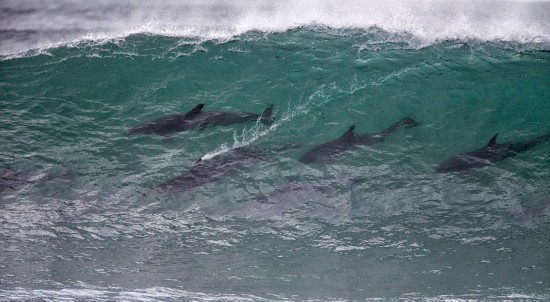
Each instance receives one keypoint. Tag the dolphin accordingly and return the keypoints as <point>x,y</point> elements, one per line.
<point>196,118</point>
<point>490,153</point>
<point>291,199</point>
<point>536,208</point>
<point>203,172</point>
<point>12,181</point>
<point>350,140</point>
<point>168,124</point>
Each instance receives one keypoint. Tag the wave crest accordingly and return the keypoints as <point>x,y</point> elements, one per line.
<point>35,25</point>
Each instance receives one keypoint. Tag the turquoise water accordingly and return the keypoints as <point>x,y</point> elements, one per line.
<point>83,222</point>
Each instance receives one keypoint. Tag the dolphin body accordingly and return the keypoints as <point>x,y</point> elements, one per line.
<point>488,154</point>
<point>350,140</point>
<point>207,171</point>
<point>196,118</point>
<point>10,180</point>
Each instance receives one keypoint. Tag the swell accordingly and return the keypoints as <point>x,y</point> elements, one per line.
<point>425,22</point>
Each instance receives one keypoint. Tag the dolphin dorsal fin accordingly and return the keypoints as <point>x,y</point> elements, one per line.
<point>196,110</point>
<point>349,134</point>
<point>493,140</point>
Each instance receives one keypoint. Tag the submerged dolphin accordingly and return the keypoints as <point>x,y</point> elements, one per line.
<point>11,181</point>
<point>350,140</point>
<point>490,153</point>
<point>295,197</point>
<point>206,171</point>
<point>196,118</point>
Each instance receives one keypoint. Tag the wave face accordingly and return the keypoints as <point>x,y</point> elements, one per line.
<point>85,216</point>
<point>28,24</point>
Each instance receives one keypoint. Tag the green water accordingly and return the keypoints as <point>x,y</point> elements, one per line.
<point>384,224</point>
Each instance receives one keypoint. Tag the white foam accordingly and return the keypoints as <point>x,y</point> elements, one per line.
<point>247,137</point>
<point>431,21</point>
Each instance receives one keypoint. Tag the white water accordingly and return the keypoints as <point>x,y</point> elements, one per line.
<point>27,24</point>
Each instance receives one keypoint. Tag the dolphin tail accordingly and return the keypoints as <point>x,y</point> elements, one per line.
<point>404,122</point>
<point>266,116</point>
<point>526,145</point>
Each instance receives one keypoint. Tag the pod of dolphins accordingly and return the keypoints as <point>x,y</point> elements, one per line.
<point>206,171</point>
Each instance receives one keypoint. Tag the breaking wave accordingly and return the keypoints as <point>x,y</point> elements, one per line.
<point>30,25</point>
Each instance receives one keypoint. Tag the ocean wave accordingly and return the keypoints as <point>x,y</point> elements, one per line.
<point>372,39</point>
<point>426,22</point>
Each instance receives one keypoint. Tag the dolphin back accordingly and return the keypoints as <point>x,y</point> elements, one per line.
<point>168,124</point>
<point>223,118</point>
<point>160,126</point>
<point>322,152</point>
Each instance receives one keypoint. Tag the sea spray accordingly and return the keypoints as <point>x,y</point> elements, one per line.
<point>249,136</point>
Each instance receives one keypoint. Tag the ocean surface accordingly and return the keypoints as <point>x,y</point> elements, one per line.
<point>84,215</point>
